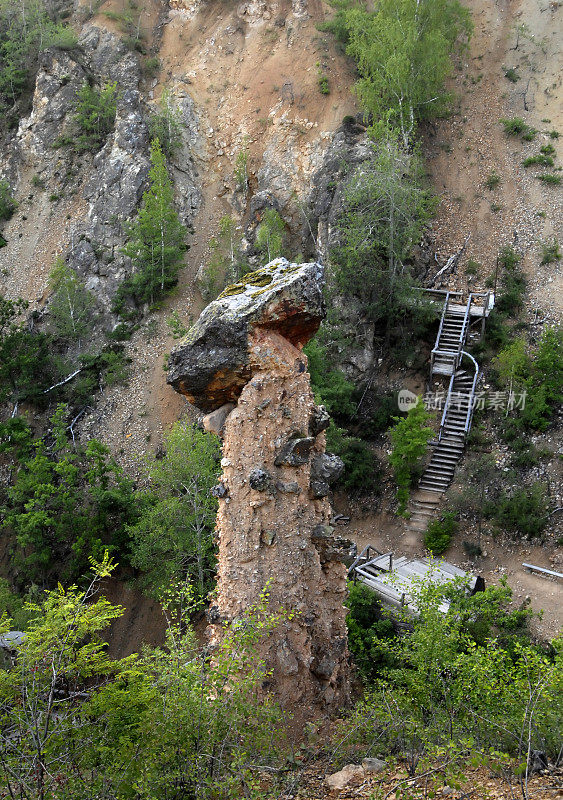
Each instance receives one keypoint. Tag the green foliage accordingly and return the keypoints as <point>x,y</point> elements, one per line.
<point>523,511</point>
<point>550,251</point>
<point>226,264</point>
<point>173,538</point>
<point>26,29</point>
<point>14,605</point>
<point>269,234</point>
<point>330,386</point>
<point>366,627</point>
<point>404,54</point>
<point>156,240</point>
<point>516,126</point>
<point>539,375</point>
<point>512,282</point>
<point>166,125</point>
<point>493,180</point>
<point>323,84</point>
<point>467,679</point>
<point>65,505</point>
<point>385,210</point>
<point>409,438</point>
<point>25,364</point>
<point>512,75</point>
<point>362,472</point>
<point>540,159</point>
<point>439,533</point>
<point>71,307</point>
<point>95,115</point>
<point>549,179</point>
<point>177,327</point>
<point>144,727</point>
<point>7,203</point>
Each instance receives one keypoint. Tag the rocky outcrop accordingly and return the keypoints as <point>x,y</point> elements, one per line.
<point>212,364</point>
<point>274,518</point>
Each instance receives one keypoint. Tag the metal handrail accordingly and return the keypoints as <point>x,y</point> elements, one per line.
<point>463,330</point>
<point>470,408</point>
<point>447,300</point>
<point>365,552</point>
<point>446,406</point>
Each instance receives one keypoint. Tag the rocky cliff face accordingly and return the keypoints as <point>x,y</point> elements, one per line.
<point>274,516</point>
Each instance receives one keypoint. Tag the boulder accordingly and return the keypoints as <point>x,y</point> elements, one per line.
<point>373,765</point>
<point>215,422</point>
<point>218,356</point>
<point>325,470</point>
<point>342,778</point>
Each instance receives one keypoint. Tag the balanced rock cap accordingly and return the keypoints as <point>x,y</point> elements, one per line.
<point>213,362</point>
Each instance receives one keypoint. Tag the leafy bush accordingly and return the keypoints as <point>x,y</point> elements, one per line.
<point>366,627</point>
<point>439,533</point>
<point>518,127</point>
<point>493,180</point>
<point>95,115</point>
<point>171,722</point>
<point>550,251</point>
<point>7,203</point>
<point>71,307</point>
<point>512,75</point>
<point>330,386</point>
<point>539,160</point>
<point>174,536</point>
<point>522,511</point>
<point>512,282</point>
<point>550,180</point>
<point>324,87</point>
<point>466,679</point>
<point>362,472</point>
<point>65,505</point>
<point>409,438</point>
<point>269,234</point>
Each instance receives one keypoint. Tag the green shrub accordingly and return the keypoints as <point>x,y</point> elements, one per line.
<point>439,533</point>
<point>518,127</point>
<point>550,180</point>
<point>7,203</point>
<point>323,84</point>
<point>362,472</point>
<point>166,125</point>
<point>513,282</point>
<point>554,134</point>
<point>493,180</point>
<point>512,75</point>
<point>409,438</point>
<point>540,159</point>
<point>330,386</point>
<point>95,115</point>
<point>550,251</point>
<point>522,511</point>
<point>548,149</point>
<point>367,626</point>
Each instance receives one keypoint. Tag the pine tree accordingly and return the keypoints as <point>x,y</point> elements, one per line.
<point>156,239</point>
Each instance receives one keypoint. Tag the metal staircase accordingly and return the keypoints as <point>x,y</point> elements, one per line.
<point>457,414</point>
<point>454,428</point>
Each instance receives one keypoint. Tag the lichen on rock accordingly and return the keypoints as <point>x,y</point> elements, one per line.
<point>213,362</point>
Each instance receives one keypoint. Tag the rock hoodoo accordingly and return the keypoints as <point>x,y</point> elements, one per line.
<point>274,517</point>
